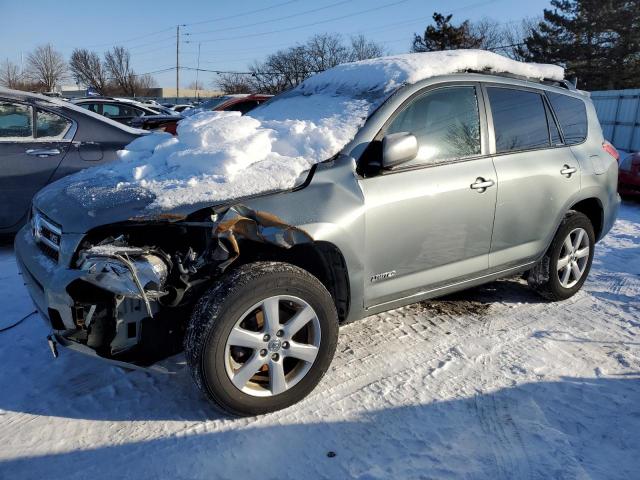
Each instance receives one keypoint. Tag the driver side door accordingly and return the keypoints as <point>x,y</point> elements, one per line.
<point>427,225</point>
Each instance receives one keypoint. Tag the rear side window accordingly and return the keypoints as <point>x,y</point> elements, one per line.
<point>15,121</point>
<point>572,115</point>
<point>519,119</point>
<point>51,126</point>
<point>445,122</point>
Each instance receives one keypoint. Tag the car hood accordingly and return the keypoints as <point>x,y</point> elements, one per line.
<point>79,203</point>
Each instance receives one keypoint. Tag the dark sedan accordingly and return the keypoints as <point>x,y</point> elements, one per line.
<point>43,139</point>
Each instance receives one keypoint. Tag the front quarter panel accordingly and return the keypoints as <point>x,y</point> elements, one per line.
<point>330,209</point>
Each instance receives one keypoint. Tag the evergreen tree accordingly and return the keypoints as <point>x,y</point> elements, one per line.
<point>445,36</point>
<point>598,41</point>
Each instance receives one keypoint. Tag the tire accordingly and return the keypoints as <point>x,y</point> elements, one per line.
<point>216,361</point>
<point>547,276</point>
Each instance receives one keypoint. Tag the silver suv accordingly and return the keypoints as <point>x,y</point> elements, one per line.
<point>453,181</point>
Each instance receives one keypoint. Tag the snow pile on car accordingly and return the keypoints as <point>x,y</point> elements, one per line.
<point>221,156</point>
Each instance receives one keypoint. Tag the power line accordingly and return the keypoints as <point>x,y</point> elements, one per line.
<point>361,12</point>
<point>286,17</point>
<point>97,45</point>
<point>251,12</point>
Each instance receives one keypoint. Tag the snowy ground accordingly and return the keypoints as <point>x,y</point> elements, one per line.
<point>492,383</point>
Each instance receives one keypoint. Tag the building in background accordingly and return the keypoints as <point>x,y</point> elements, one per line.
<point>619,115</point>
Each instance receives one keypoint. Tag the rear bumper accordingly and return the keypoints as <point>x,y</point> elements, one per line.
<point>611,214</point>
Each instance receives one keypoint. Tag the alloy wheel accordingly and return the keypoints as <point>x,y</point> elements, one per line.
<point>272,346</point>
<point>574,257</point>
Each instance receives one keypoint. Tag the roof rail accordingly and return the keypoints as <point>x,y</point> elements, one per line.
<point>545,81</point>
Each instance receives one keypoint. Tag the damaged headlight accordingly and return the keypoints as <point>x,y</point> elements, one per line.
<point>127,271</point>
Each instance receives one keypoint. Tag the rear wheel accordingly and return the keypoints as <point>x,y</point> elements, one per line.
<point>262,338</point>
<point>564,268</point>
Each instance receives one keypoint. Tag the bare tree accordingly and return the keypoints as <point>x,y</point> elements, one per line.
<point>324,51</point>
<point>233,83</point>
<point>196,85</point>
<point>489,32</point>
<point>362,49</point>
<point>142,85</point>
<point>287,68</point>
<point>10,76</point>
<point>117,62</point>
<point>46,67</point>
<point>87,69</point>
<point>515,33</point>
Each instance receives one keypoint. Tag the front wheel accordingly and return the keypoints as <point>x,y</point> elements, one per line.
<point>262,338</point>
<point>565,266</point>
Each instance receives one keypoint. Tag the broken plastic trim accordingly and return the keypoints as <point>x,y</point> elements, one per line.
<point>240,222</point>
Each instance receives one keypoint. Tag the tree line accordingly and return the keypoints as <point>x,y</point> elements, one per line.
<point>46,69</point>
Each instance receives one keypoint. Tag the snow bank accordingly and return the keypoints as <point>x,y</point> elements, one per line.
<point>220,156</point>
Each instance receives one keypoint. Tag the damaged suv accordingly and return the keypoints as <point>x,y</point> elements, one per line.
<point>246,241</point>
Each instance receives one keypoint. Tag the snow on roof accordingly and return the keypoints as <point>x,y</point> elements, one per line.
<point>389,73</point>
<point>220,156</point>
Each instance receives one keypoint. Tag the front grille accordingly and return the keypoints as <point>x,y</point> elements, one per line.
<point>47,235</point>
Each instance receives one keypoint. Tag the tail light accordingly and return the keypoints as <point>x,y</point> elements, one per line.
<point>611,150</point>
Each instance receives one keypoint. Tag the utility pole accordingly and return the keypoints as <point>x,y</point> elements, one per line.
<point>177,62</point>
<point>198,71</point>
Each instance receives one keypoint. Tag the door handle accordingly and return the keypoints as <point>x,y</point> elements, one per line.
<point>481,184</point>
<point>567,171</point>
<point>43,152</point>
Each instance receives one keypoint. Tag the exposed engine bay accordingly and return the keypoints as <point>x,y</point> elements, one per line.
<point>141,280</point>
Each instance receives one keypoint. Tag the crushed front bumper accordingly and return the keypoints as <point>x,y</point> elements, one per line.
<point>47,280</point>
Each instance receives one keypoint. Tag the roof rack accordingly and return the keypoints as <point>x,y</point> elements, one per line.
<point>546,81</point>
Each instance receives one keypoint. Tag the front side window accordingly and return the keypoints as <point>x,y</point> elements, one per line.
<point>519,119</point>
<point>51,126</point>
<point>15,121</point>
<point>446,123</point>
<point>572,115</point>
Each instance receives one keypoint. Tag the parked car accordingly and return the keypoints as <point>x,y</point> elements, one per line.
<point>43,139</point>
<point>242,104</point>
<point>182,107</point>
<point>120,110</point>
<point>629,175</point>
<point>237,103</point>
<point>448,181</point>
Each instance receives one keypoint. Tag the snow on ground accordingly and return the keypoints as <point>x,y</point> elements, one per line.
<point>275,143</point>
<point>490,383</point>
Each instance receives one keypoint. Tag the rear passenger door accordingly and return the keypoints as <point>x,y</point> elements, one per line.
<point>33,142</point>
<point>537,173</point>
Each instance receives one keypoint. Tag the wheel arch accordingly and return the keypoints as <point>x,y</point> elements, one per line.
<point>322,259</point>
<point>594,211</point>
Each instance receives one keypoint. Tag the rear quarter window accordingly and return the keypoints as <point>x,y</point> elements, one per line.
<point>572,115</point>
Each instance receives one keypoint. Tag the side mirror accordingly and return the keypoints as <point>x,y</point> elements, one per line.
<point>398,148</point>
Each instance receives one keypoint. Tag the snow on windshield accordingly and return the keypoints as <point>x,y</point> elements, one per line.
<point>220,156</point>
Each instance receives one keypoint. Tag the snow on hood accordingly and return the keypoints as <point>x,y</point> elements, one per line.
<point>219,156</point>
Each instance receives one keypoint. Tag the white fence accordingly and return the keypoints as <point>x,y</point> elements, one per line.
<point>619,115</point>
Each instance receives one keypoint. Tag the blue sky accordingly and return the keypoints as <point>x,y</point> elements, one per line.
<point>232,34</point>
